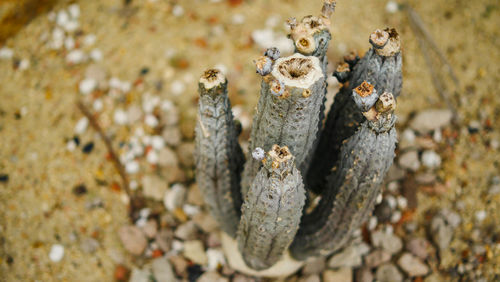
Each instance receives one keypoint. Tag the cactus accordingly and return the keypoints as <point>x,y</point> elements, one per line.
<point>345,160</point>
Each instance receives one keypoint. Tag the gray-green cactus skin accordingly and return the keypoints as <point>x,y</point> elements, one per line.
<point>381,69</point>
<point>219,158</point>
<point>271,211</point>
<point>346,164</point>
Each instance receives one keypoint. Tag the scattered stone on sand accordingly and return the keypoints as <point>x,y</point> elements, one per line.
<point>432,119</point>
<point>167,157</point>
<point>195,251</point>
<point>172,135</point>
<point>215,258</point>
<point>56,253</point>
<point>154,187</point>
<point>89,245</point>
<point>349,257</point>
<point>150,228</point>
<point>409,160</point>
<point>431,159</point>
<point>179,263</point>
<point>162,270</point>
<point>185,152</point>
<point>377,258</point>
<point>175,197</point>
<point>388,273</point>
<point>194,196</point>
<point>343,274</point>
<point>363,274</point>
<point>418,247</point>
<point>314,265</point>
<point>412,265</point>
<point>133,239</point>
<point>387,241</point>
<point>206,222</point>
<point>186,231</point>
<point>164,239</point>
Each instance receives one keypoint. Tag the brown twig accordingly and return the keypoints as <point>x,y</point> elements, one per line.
<point>134,199</point>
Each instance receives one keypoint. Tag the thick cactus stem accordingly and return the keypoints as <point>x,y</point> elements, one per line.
<point>287,111</point>
<point>353,187</point>
<point>219,159</point>
<point>271,211</point>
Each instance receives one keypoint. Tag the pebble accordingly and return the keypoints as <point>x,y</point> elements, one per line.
<point>383,211</point>
<point>238,19</point>
<point>388,273</point>
<point>177,87</point>
<point>24,64</point>
<point>89,245</point>
<point>480,215</point>
<point>81,125</point>
<point>56,253</point>
<point>349,257</point>
<point>431,159</point>
<point>363,274</point>
<point>151,121</point>
<point>180,264</point>
<point>172,135</point>
<point>314,265</point>
<point>139,275</point>
<point>133,239</point>
<point>120,117</point>
<point>215,258</point>
<point>194,251</point>
<point>162,270</point>
<point>185,152</point>
<point>387,241</point>
<point>377,258</point>
<point>6,53</point>
<point>152,157</point>
<point>76,56</point>
<point>175,197</point>
<point>186,231</point>
<point>344,274</point>
<point>89,39</point>
<point>429,120</point>
<point>132,167</point>
<point>178,11</point>
<point>96,55</point>
<point>418,247</point>
<point>87,148</point>
<point>87,86</point>
<point>154,187</point>
<point>212,276</point>
<point>441,232</point>
<point>164,239</point>
<point>69,43</point>
<point>412,265</point>
<point>428,177</point>
<point>150,228</point>
<point>206,222</point>
<point>409,160</point>
<point>392,7</point>
<point>157,142</point>
<point>266,38</point>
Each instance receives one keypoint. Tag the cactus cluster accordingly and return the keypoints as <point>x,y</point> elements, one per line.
<point>264,199</point>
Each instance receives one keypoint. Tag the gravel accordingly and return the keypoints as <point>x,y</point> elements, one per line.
<point>195,251</point>
<point>343,274</point>
<point>388,273</point>
<point>387,241</point>
<point>133,239</point>
<point>162,270</point>
<point>412,265</point>
<point>428,120</point>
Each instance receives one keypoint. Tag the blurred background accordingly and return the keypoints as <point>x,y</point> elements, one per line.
<point>134,65</point>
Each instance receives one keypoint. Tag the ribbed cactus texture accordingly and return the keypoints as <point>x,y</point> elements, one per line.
<point>344,157</point>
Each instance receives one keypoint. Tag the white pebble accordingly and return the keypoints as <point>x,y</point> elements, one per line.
<point>149,103</point>
<point>133,185</point>
<point>96,55</point>
<point>71,145</point>
<point>190,210</point>
<point>431,159</point>
<point>98,105</point>
<point>177,245</point>
<point>120,117</point>
<point>69,43</point>
<point>89,40</point>
<point>480,215</point>
<point>76,56</point>
<point>174,198</point>
<point>87,86</point>
<point>273,21</point>
<point>177,87</point>
<point>396,216</point>
<point>51,16</point>
<point>56,253</point>
<point>391,7</point>
<point>372,223</point>
<point>379,198</point>
<point>71,26</point>
<point>62,18</point>
<point>438,135</point>
<point>238,19</point>
<point>178,11</point>
<point>6,53</point>
<point>74,10</point>
<point>152,157</point>
<point>391,201</point>
<point>409,136</point>
<point>81,125</point>
<point>402,202</point>
<point>57,34</point>
<point>151,120</point>
<point>24,64</point>
<point>215,258</point>
<point>132,167</point>
<point>157,142</point>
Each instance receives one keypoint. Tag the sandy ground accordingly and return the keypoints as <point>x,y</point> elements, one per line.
<point>38,114</point>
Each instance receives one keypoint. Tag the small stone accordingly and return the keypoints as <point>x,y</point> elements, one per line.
<point>81,125</point>
<point>194,196</point>
<point>56,253</point>
<point>238,277</point>
<point>186,231</point>
<point>177,87</point>
<point>150,228</point>
<point>412,265</point>
<point>133,239</point>
<point>120,117</point>
<point>152,157</point>
<point>395,173</point>
<point>206,222</point>
<point>74,10</point>
<point>96,55</point>
<point>212,276</point>
<point>175,197</point>
<point>344,274</point>
<point>215,259</point>
<point>377,258</point>
<point>429,120</point>
<point>140,275</point>
<point>310,278</point>
<point>89,245</point>
<point>178,11</point>
<point>87,148</point>
<point>409,160</point>
<point>392,7</point>
<point>185,152</point>
<point>154,187</point>
<point>314,265</point>
<point>213,240</point>
<point>383,211</point>
<point>441,232</point>
<point>431,159</point>
<point>388,273</point>
<point>428,177</point>
<point>387,241</point>
<point>151,120</point>
<point>349,257</point>
<point>121,273</point>
<point>164,239</point>
<point>418,247</point>
<point>132,167</point>
<point>6,53</point>
<point>162,270</point>
<point>167,157</point>
<point>89,39</point>
<point>172,135</point>
<point>194,251</point>
<point>79,190</point>
<point>180,264</point>
<point>76,56</point>
<point>157,142</point>
<point>87,86</point>
<point>480,215</point>
<point>363,274</point>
